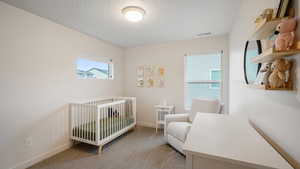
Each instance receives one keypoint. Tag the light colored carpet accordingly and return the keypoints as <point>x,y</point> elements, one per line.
<point>138,149</point>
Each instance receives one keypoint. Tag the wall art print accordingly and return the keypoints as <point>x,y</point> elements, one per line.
<point>150,76</point>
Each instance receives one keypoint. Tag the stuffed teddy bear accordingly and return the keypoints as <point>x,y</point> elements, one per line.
<point>280,74</point>
<point>266,71</point>
<point>286,34</point>
<point>267,15</point>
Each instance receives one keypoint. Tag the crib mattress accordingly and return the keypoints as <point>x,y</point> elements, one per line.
<point>108,126</point>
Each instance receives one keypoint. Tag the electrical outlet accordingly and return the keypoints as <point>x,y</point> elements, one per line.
<point>28,142</point>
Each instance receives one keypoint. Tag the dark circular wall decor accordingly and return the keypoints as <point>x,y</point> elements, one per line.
<point>251,70</point>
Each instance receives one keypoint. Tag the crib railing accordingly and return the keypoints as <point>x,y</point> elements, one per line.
<point>99,121</point>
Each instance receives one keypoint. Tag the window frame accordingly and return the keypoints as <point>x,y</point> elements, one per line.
<point>221,53</point>
<point>97,59</point>
<point>216,81</point>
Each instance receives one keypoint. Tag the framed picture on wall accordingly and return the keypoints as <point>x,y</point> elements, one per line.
<point>140,76</point>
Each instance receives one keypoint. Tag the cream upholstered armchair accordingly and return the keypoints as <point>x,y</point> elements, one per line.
<point>177,126</point>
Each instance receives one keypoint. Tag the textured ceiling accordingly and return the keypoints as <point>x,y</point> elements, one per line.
<point>165,20</point>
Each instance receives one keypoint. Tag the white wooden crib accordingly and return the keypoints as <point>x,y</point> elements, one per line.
<point>99,121</point>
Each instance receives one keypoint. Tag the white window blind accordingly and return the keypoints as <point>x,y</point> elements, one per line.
<point>203,77</point>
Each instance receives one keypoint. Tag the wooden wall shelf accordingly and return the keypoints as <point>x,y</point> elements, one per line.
<point>265,29</point>
<point>256,86</point>
<point>271,54</point>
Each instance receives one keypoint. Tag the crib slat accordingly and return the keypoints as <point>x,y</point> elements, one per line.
<point>93,121</point>
<point>101,121</point>
<point>110,120</point>
<point>97,126</point>
<point>119,114</point>
<point>72,120</point>
<point>79,114</point>
<point>124,112</point>
<point>115,118</point>
<point>84,121</point>
<point>87,122</point>
<point>122,107</point>
<point>108,126</point>
<point>105,124</point>
<point>121,119</point>
<point>130,109</point>
<point>77,121</point>
<point>80,121</point>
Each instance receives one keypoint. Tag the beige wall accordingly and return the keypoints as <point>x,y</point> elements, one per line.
<point>37,79</point>
<point>171,56</point>
<point>276,112</point>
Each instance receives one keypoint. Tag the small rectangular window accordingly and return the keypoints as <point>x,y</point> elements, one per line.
<point>89,69</point>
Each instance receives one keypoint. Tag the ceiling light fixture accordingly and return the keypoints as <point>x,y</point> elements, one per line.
<point>204,34</point>
<point>133,13</point>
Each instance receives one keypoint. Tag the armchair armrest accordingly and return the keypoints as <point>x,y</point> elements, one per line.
<point>174,118</point>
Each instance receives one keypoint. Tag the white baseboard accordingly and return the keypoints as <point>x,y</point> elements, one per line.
<point>41,157</point>
<point>145,124</point>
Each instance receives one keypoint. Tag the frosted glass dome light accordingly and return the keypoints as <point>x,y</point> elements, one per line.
<point>133,13</point>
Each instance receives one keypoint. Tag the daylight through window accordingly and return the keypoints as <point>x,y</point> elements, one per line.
<point>203,77</point>
<point>89,69</point>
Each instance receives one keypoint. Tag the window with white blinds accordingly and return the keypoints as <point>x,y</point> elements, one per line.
<point>203,77</point>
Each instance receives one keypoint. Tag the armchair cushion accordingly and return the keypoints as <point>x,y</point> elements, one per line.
<point>205,106</point>
<point>175,118</point>
<point>179,130</point>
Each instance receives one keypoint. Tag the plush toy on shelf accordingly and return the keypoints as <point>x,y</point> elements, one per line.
<point>267,15</point>
<point>280,76</point>
<point>286,34</point>
<point>265,71</point>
